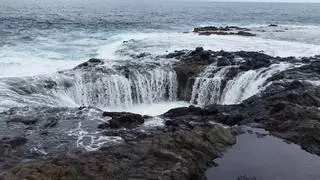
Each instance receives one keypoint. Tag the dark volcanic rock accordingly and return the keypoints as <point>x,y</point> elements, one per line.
<point>179,155</point>
<point>244,33</point>
<point>90,63</point>
<point>228,30</point>
<point>13,141</point>
<point>122,120</point>
<point>290,112</point>
<point>192,63</point>
<point>28,133</point>
<point>273,25</point>
<point>288,108</point>
<point>189,66</point>
<point>11,151</point>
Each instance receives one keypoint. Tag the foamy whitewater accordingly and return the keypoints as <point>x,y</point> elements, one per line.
<point>39,39</point>
<point>43,44</point>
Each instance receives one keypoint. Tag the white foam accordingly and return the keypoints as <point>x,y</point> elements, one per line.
<point>29,66</point>
<point>96,140</point>
<point>297,33</point>
<point>153,109</point>
<point>314,83</point>
<point>249,83</point>
<point>153,122</point>
<point>161,43</point>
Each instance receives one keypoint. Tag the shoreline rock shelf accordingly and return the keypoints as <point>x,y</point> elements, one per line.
<point>285,102</point>
<point>177,155</point>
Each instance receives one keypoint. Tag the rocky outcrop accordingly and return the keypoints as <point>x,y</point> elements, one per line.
<point>228,30</point>
<point>287,106</point>
<point>288,110</point>
<point>122,120</point>
<point>192,63</point>
<point>178,155</point>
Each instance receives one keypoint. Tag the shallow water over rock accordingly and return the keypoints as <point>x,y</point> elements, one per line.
<point>265,157</point>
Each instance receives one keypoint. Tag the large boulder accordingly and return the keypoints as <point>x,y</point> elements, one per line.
<point>122,120</point>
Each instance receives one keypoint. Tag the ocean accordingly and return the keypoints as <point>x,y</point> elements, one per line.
<point>54,101</point>
<point>41,37</point>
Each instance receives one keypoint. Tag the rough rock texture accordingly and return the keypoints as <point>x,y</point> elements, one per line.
<point>289,107</point>
<point>32,132</point>
<point>228,30</point>
<point>122,120</point>
<point>288,110</point>
<point>192,63</point>
<point>178,155</point>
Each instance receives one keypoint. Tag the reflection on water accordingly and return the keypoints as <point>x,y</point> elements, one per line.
<point>265,157</point>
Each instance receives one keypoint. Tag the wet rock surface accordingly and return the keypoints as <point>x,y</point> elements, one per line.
<point>289,110</point>
<point>228,30</point>
<point>287,106</point>
<point>178,155</point>
<point>122,120</point>
<point>30,133</point>
<point>191,63</point>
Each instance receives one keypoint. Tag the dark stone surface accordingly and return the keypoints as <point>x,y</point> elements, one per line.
<point>228,30</point>
<point>178,155</point>
<point>288,108</point>
<point>290,112</point>
<point>192,63</point>
<point>122,120</point>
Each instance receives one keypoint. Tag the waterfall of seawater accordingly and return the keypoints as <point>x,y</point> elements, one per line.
<point>208,88</point>
<point>114,90</point>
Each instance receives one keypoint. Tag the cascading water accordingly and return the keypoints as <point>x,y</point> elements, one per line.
<point>118,91</point>
<point>108,90</point>
<point>249,83</point>
<point>209,89</point>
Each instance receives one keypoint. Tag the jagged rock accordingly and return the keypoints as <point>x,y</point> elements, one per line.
<point>13,141</point>
<point>50,84</point>
<point>142,55</point>
<point>244,33</point>
<point>175,54</point>
<point>291,113</point>
<point>228,30</point>
<point>179,155</point>
<point>122,120</point>
<point>90,63</point>
<point>192,63</point>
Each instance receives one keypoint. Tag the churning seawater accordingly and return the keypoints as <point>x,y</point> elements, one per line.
<point>39,37</point>
<point>44,36</point>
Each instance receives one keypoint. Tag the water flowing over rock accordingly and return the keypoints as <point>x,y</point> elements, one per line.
<point>93,83</point>
<point>69,112</point>
<point>208,77</point>
<point>288,107</point>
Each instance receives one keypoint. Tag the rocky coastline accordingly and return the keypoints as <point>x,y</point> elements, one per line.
<point>189,141</point>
